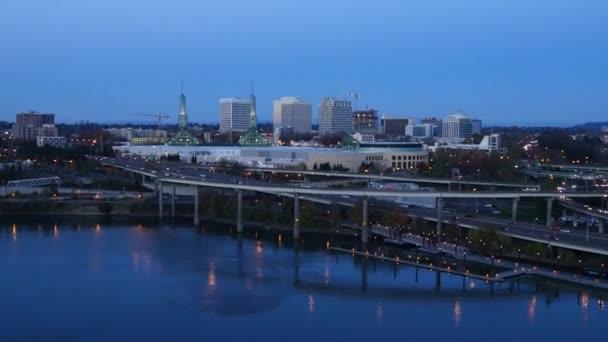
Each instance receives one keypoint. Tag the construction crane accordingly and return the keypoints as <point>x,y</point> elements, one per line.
<point>158,116</point>
<point>355,94</point>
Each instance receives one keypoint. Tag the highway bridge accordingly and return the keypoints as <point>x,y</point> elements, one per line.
<point>196,180</point>
<point>395,178</point>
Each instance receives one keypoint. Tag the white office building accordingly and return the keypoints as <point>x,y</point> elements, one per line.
<point>294,113</point>
<point>335,116</point>
<point>456,127</point>
<point>420,131</point>
<point>234,114</point>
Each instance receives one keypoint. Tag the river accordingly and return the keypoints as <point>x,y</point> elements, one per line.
<point>79,280</point>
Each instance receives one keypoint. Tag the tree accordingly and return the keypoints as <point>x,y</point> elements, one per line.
<point>230,208</point>
<point>105,208</point>
<point>396,218</point>
<point>309,214</point>
<point>315,167</point>
<point>325,166</point>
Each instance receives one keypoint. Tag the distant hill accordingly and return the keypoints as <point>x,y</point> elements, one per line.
<point>592,126</point>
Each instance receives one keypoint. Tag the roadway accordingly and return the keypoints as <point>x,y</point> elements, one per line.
<point>188,176</point>
<point>584,209</point>
<point>562,175</point>
<point>589,242</point>
<point>413,179</point>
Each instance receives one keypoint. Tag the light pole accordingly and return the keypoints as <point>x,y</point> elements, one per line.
<point>519,255</point>
<point>534,226</point>
<point>587,235</point>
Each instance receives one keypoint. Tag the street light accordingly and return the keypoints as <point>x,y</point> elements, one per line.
<point>518,255</point>
<point>534,226</point>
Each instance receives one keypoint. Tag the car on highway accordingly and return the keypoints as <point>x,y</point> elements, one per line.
<point>550,236</point>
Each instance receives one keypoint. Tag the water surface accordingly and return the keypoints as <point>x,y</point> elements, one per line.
<point>99,282</point>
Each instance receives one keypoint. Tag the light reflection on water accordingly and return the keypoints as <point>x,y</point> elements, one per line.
<point>153,270</point>
<point>457,313</point>
<point>532,308</point>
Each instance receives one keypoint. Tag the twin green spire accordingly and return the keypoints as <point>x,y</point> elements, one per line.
<point>253,137</point>
<point>183,136</point>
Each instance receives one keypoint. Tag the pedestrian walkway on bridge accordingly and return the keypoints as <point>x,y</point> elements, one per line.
<point>513,269</point>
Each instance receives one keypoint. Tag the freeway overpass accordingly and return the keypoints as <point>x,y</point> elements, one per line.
<point>412,179</point>
<point>297,192</point>
<point>575,167</point>
<point>562,175</point>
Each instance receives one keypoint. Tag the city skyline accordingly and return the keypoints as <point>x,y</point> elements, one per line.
<point>519,63</point>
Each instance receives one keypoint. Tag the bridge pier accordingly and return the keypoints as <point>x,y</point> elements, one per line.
<point>439,218</point>
<point>364,222</point>
<point>549,210</point>
<point>239,211</point>
<point>600,228</point>
<point>160,200</point>
<point>296,216</point>
<point>197,220</point>
<point>514,209</point>
<point>173,201</point>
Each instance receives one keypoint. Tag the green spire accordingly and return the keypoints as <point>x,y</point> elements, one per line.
<point>253,137</point>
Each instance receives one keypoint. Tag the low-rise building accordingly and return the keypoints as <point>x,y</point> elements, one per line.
<point>382,155</point>
<point>55,141</point>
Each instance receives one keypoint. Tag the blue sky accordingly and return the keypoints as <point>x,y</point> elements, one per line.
<point>506,62</point>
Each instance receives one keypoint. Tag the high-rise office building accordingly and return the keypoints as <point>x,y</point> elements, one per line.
<point>30,125</point>
<point>395,127</point>
<point>234,114</point>
<point>420,131</point>
<point>335,116</point>
<point>294,113</point>
<point>476,126</point>
<point>365,121</point>
<point>456,127</point>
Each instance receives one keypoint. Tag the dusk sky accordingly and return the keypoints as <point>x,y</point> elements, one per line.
<point>505,62</point>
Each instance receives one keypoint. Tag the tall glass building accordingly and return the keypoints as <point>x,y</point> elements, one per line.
<point>234,114</point>
<point>335,116</point>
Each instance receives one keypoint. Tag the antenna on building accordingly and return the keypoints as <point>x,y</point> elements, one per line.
<point>182,86</point>
<point>252,87</point>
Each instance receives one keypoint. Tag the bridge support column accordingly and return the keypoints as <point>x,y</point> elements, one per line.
<point>239,211</point>
<point>197,220</point>
<point>173,201</point>
<point>549,211</point>
<point>160,200</point>
<point>514,209</point>
<point>600,227</point>
<point>296,217</point>
<point>439,218</point>
<point>574,220</point>
<point>364,222</point>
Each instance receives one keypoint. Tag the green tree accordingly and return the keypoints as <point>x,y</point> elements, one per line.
<point>105,208</point>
